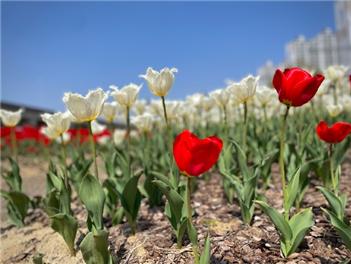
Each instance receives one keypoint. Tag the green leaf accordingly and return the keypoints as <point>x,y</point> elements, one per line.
<point>131,199</point>
<point>38,258</point>
<point>192,234</point>
<point>343,229</point>
<point>67,227</point>
<point>52,203</point>
<point>242,160</point>
<point>293,189</point>
<point>13,177</point>
<point>175,200</point>
<point>94,248</point>
<point>299,224</point>
<point>92,196</point>
<point>278,220</point>
<point>336,205</point>
<point>17,206</point>
<point>206,253</point>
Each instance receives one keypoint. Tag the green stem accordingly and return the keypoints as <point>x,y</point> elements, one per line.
<point>225,120</point>
<point>189,214</point>
<point>331,167</point>
<point>265,114</point>
<point>64,160</point>
<point>14,143</point>
<point>128,138</point>
<point>164,110</point>
<point>244,136</point>
<point>281,161</point>
<point>93,148</point>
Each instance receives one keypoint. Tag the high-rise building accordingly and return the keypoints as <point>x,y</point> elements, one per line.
<point>325,49</point>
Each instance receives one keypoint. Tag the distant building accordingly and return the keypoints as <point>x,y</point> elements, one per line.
<point>325,49</point>
<point>328,47</point>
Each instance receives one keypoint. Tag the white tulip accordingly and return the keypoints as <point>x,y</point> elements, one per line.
<point>221,96</point>
<point>144,122</point>
<point>66,137</point>
<point>58,123</point>
<point>195,99</point>
<point>346,102</point>
<point>85,108</point>
<point>159,82</point>
<point>119,136</point>
<point>244,90</point>
<point>140,106</point>
<point>335,72</point>
<point>97,128</point>
<point>334,110</point>
<point>109,111</point>
<point>127,95</point>
<point>324,87</point>
<point>265,95</point>
<point>10,118</point>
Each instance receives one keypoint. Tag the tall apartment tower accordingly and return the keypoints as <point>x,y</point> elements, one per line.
<point>343,30</point>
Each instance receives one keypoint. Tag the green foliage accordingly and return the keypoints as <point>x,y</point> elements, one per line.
<point>292,231</point>
<point>17,206</point>
<point>67,227</point>
<point>206,253</point>
<point>94,248</point>
<point>92,196</point>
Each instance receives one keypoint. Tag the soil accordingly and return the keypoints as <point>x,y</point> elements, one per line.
<point>231,240</point>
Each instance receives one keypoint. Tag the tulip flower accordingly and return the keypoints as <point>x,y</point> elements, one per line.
<point>221,97</point>
<point>334,110</point>
<point>334,134</point>
<point>159,82</point>
<point>11,119</point>
<point>140,107</point>
<point>195,156</point>
<point>127,95</point>
<point>295,86</point>
<point>144,122</point>
<point>335,73</point>
<point>109,111</point>
<point>58,123</point>
<point>244,90</point>
<point>86,109</point>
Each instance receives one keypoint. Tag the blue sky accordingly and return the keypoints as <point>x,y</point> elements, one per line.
<point>49,48</point>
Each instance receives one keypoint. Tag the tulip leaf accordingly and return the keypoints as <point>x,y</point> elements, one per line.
<point>278,220</point>
<point>94,248</point>
<point>131,199</point>
<point>52,203</point>
<point>342,228</point>
<point>192,234</point>
<point>175,200</point>
<point>292,189</point>
<point>67,227</point>
<point>92,196</point>
<point>336,205</point>
<point>17,206</point>
<point>242,160</point>
<point>13,178</point>
<point>206,253</point>
<point>299,224</point>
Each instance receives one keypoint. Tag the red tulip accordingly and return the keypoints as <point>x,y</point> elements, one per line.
<point>334,134</point>
<point>295,86</point>
<point>195,156</point>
